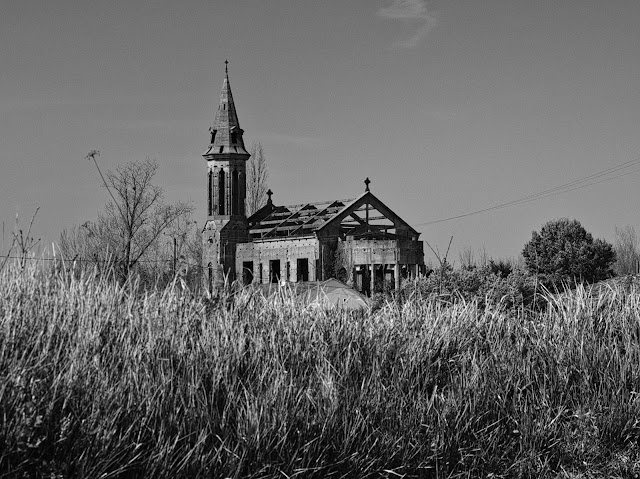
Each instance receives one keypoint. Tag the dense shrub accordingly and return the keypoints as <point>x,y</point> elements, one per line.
<point>499,283</point>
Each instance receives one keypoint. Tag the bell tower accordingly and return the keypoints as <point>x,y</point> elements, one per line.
<point>226,159</point>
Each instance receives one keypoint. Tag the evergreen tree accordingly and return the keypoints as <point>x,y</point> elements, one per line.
<point>563,251</point>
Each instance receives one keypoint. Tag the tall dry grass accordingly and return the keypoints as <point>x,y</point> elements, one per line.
<point>99,381</point>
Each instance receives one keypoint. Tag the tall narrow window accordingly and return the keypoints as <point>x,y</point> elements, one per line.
<point>274,271</point>
<point>210,276</point>
<point>242,189</point>
<point>234,137</point>
<point>247,272</point>
<point>302,267</point>
<point>221,192</point>
<point>210,193</point>
<point>235,194</point>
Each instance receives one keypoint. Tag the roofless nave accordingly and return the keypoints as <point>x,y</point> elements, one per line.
<point>360,241</point>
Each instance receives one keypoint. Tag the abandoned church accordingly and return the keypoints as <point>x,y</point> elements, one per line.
<point>360,241</point>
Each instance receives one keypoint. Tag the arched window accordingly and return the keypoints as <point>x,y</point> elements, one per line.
<point>210,276</point>
<point>221,192</point>
<point>235,194</point>
<point>210,210</point>
<point>242,189</point>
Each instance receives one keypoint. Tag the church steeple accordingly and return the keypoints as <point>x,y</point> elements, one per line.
<point>226,159</point>
<point>226,134</point>
<point>226,224</point>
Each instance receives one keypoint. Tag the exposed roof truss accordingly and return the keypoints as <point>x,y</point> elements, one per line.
<point>365,217</point>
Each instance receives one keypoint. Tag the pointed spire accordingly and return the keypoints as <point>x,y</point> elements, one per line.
<point>226,134</point>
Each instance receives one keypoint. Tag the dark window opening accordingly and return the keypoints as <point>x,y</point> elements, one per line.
<point>210,276</point>
<point>213,135</point>
<point>374,280</point>
<point>260,271</point>
<point>221,149</point>
<point>274,270</point>
<point>361,279</point>
<point>302,266</point>
<point>247,272</point>
<point>242,185</point>
<point>221,192</point>
<point>210,193</point>
<point>234,137</point>
<point>235,194</point>
<point>288,276</point>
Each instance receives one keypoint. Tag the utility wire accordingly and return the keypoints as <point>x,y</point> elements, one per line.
<point>564,188</point>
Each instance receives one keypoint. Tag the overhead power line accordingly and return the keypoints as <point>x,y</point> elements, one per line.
<point>589,180</point>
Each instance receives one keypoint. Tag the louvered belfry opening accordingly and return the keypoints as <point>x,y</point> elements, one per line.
<point>221,192</point>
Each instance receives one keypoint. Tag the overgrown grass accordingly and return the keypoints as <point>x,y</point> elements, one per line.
<point>98,382</point>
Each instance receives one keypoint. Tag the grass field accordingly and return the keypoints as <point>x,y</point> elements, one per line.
<point>98,382</point>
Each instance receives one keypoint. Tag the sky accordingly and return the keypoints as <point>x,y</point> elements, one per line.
<point>449,107</point>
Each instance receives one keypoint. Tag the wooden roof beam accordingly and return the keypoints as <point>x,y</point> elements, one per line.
<point>335,203</point>
<point>272,230</point>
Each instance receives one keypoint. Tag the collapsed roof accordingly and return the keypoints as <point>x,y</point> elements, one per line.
<point>365,217</point>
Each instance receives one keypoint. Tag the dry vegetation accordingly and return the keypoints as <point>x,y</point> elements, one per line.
<point>99,382</point>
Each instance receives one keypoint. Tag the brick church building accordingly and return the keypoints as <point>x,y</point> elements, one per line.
<point>360,241</point>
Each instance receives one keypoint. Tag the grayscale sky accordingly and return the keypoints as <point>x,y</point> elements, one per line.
<point>447,106</point>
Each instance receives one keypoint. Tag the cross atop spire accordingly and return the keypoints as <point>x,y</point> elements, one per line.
<point>366,183</point>
<point>226,67</point>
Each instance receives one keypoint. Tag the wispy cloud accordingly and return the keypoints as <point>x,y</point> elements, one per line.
<point>410,11</point>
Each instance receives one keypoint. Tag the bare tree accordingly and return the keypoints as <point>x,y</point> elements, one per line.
<point>467,258</point>
<point>483,257</point>
<point>22,244</point>
<point>182,250</point>
<point>444,265</point>
<point>132,221</point>
<point>626,248</point>
<point>257,175</point>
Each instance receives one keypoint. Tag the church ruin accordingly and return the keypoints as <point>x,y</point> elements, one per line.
<point>360,241</point>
